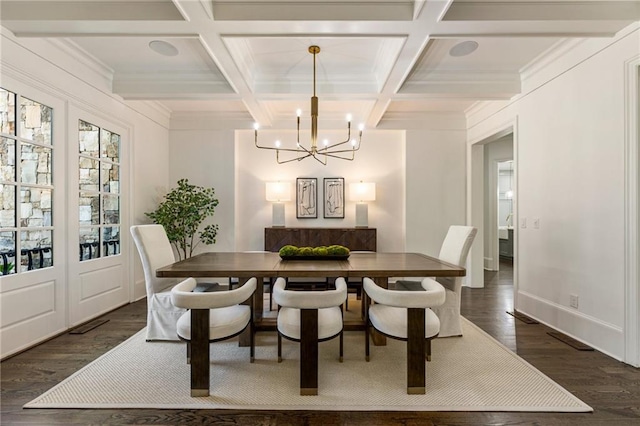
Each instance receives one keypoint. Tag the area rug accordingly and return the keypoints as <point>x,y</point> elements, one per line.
<point>469,373</point>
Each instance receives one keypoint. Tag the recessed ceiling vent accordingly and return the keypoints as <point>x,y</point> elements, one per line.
<point>163,48</point>
<point>464,48</point>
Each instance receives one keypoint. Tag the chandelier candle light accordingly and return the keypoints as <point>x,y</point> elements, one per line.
<point>335,150</point>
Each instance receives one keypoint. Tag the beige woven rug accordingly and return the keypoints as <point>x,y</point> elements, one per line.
<point>470,373</point>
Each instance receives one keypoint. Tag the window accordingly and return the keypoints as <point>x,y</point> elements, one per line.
<point>99,186</point>
<point>26,184</point>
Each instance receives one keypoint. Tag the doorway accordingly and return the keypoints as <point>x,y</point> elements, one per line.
<point>485,206</point>
<point>505,212</point>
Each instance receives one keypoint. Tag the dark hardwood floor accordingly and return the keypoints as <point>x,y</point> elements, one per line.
<point>610,387</point>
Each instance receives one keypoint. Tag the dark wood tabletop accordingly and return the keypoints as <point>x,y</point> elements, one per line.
<point>266,264</point>
<point>224,264</point>
<point>380,264</point>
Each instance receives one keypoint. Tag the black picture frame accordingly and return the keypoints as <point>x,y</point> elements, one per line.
<point>306,198</point>
<point>333,196</point>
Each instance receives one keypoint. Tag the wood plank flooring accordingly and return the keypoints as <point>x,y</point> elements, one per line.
<point>610,387</point>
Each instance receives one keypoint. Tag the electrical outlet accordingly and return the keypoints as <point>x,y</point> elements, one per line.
<point>523,222</point>
<point>536,223</point>
<point>573,300</point>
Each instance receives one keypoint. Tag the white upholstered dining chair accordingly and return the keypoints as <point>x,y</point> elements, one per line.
<point>455,249</point>
<point>225,316</point>
<point>155,252</point>
<point>309,317</point>
<point>405,315</point>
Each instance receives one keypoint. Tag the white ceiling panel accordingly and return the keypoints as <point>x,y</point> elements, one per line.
<point>91,10</point>
<point>344,64</point>
<point>145,73</point>
<point>492,71</point>
<point>314,10</point>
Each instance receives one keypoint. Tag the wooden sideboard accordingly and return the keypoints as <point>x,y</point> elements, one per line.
<point>355,239</point>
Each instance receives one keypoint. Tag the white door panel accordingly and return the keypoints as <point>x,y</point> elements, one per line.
<point>33,302</point>
<point>96,285</point>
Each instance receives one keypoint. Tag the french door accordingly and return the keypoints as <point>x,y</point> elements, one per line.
<point>97,188</point>
<point>33,304</point>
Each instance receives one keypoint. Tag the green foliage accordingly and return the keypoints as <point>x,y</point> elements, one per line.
<point>338,250</point>
<point>288,250</point>
<point>335,250</point>
<point>8,268</point>
<point>182,212</point>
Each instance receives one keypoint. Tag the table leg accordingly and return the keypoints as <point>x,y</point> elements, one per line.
<point>200,352</point>
<point>258,300</point>
<point>377,338</point>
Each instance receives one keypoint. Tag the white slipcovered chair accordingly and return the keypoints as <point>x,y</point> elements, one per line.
<point>211,317</point>
<point>309,317</point>
<point>155,252</point>
<point>405,315</point>
<point>455,249</point>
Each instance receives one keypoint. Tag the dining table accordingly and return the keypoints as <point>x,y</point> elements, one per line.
<point>379,266</point>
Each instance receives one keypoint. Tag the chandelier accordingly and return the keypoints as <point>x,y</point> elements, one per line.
<point>344,150</point>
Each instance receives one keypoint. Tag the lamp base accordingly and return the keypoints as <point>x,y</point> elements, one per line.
<point>278,215</point>
<point>362,215</point>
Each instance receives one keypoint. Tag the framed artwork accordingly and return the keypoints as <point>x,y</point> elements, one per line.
<point>307,198</point>
<point>334,198</point>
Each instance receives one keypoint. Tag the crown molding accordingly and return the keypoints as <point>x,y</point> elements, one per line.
<point>423,120</point>
<point>548,57</point>
<point>85,58</point>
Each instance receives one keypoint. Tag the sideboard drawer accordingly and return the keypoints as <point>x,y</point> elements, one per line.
<point>356,239</point>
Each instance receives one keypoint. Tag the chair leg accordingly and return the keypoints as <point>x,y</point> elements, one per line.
<point>341,346</point>
<point>252,331</point>
<point>271,282</point>
<point>365,302</point>
<point>427,349</point>
<point>200,360</point>
<point>279,347</point>
<point>416,366</point>
<point>366,342</point>
<point>308,351</point>
<point>188,352</point>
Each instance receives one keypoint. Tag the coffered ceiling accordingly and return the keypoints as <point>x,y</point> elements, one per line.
<point>249,58</point>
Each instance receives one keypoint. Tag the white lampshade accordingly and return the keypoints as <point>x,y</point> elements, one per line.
<point>362,191</point>
<point>278,191</point>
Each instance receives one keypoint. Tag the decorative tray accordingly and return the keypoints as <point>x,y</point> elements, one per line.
<point>328,257</point>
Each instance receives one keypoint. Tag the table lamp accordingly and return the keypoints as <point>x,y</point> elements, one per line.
<point>361,192</point>
<point>277,192</point>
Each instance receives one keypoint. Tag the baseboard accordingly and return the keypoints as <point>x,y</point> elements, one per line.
<point>602,336</point>
<point>489,264</point>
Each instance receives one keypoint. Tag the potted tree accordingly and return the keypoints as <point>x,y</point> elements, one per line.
<point>182,213</point>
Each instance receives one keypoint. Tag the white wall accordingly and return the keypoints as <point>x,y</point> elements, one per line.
<point>435,176</point>
<point>570,142</point>
<point>435,187</point>
<point>206,158</point>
